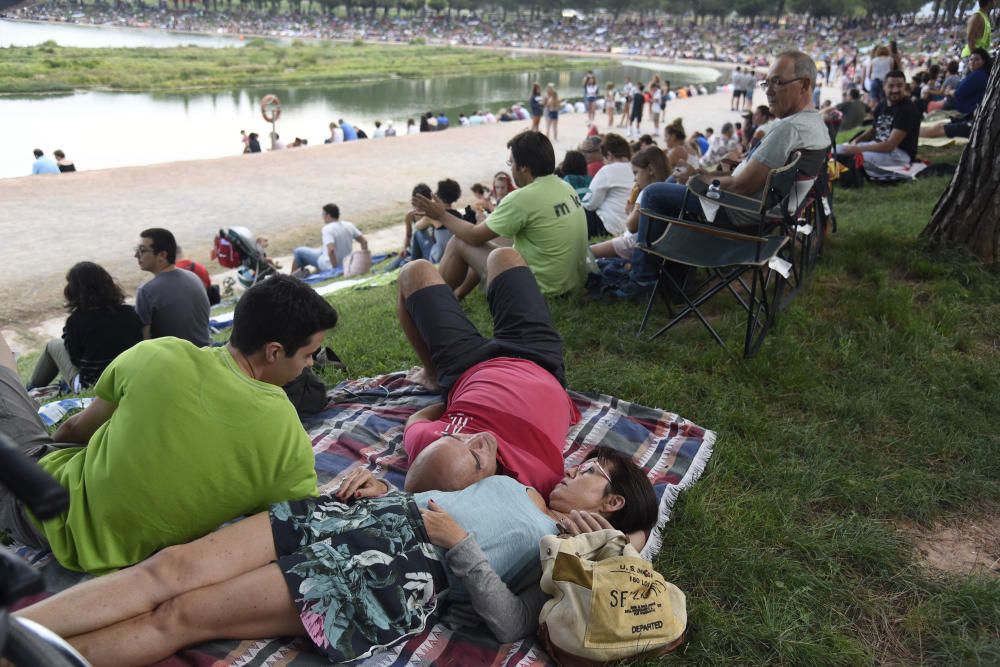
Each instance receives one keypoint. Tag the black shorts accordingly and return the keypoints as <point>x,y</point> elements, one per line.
<point>522,327</point>
<point>958,128</point>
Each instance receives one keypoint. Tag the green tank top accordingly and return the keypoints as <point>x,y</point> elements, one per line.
<point>984,40</point>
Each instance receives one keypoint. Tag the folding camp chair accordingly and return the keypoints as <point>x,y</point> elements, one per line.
<point>727,254</point>
<point>254,266</point>
<point>803,218</point>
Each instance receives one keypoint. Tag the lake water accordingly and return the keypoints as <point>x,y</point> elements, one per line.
<point>102,130</point>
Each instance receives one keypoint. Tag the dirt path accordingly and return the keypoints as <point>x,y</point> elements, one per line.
<point>48,223</point>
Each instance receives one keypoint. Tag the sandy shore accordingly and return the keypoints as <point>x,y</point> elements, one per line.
<point>49,223</point>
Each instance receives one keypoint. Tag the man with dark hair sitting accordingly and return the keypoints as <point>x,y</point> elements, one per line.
<point>431,236</point>
<point>891,141</point>
<point>178,439</point>
<point>543,217</point>
<point>174,302</point>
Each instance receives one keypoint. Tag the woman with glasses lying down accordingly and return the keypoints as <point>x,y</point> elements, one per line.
<point>355,570</point>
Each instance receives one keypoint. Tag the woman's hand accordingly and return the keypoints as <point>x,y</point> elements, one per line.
<point>577,522</point>
<point>441,528</point>
<point>361,483</point>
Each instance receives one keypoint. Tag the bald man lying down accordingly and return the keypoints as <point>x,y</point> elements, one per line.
<point>507,411</point>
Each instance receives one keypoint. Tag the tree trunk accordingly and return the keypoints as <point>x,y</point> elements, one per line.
<point>968,213</point>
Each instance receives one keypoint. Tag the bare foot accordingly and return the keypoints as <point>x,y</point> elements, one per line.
<point>419,375</point>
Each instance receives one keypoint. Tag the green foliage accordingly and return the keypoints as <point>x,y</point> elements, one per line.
<point>259,63</point>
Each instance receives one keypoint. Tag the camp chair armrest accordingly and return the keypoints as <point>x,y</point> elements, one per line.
<point>705,228</point>
<point>726,199</point>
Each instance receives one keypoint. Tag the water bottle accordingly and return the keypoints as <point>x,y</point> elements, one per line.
<point>714,191</point>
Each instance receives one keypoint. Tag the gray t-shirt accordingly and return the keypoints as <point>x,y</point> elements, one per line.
<point>804,130</point>
<point>174,303</point>
<point>341,234</point>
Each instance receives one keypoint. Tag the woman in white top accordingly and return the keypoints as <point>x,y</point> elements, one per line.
<point>609,190</point>
<point>648,166</point>
<point>656,107</point>
<point>590,94</point>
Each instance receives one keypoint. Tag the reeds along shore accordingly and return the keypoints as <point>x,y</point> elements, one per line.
<point>50,68</point>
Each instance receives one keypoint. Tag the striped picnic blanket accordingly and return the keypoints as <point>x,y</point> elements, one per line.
<point>363,425</point>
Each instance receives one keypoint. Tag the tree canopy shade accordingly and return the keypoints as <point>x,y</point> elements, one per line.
<point>968,213</point>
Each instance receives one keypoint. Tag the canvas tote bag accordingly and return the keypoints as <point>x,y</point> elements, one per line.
<point>607,602</point>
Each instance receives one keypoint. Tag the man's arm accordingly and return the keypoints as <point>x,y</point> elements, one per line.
<point>331,252</point>
<point>976,27</point>
<point>749,181</point>
<point>867,135</point>
<point>431,413</point>
<point>360,238</point>
<point>147,332</point>
<point>475,235</point>
<point>81,426</point>
<point>887,146</point>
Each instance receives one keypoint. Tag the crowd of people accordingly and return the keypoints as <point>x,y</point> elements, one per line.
<point>225,442</point>
<point>721,40</point>
<point>482,487</point>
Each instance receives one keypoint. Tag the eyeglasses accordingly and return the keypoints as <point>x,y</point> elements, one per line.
<point>140,249</point>
<point>776,83</point>
<point>589,465</point>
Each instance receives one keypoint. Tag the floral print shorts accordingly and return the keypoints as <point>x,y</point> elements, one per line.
<point>363,575</point>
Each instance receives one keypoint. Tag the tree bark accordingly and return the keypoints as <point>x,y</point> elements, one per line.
<point>968,213</point>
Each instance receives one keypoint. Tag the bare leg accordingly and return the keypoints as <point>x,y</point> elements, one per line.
<point>500,260</point>
<point>463,265</point>
<point>224,554</point>
<point>253,605</point>
<point>413,277</point>
<point>472,279</point>
<point>453,266</point>
<point>932,131</point>
<point>603,249</point>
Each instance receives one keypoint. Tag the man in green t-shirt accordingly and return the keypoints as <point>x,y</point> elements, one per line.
<point>543,217</point>
<point>178,440</point>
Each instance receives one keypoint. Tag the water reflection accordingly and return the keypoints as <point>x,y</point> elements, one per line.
<point>101,130</point>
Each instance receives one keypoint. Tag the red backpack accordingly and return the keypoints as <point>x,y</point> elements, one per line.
<point>225,253</point>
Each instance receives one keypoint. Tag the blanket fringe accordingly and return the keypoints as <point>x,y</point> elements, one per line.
<point>670,494</point>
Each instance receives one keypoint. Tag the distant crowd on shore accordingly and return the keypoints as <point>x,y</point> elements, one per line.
<point>679,37</point>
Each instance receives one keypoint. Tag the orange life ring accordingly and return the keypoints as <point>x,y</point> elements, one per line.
<point>270,108</point>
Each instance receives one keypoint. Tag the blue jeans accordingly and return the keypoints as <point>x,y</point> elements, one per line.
<point>666,199</point>
<point>423,246</point>
<point>305,256</point>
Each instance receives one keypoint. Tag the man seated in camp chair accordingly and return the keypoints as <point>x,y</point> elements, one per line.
<point>789,85</point>
<point>506,409</point>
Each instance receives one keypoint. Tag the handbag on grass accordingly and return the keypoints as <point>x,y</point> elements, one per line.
<point>607,602</point>
<point>358,263</point>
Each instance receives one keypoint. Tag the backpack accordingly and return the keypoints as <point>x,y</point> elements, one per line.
<point>853,173</point>
<point>608,602</point>
<point>225,253</point>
